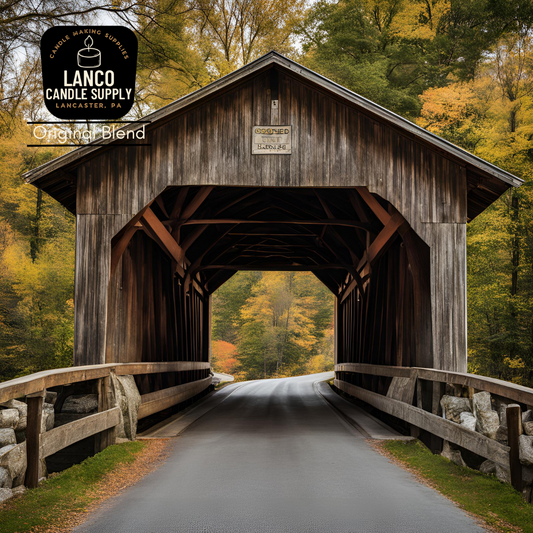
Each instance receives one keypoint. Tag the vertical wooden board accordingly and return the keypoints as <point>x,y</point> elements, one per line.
<point>460,299</point>
<point>352,140</point>
<point>244,158</point>
<point>286,177</point>
<point>294,119</point>
<point>448,291</point>
<point>333,147</point>
<point>260,116</point>
<point>191,168</point>
<point>93,257</point>
<point>170,148</point>
<point>205,151</point>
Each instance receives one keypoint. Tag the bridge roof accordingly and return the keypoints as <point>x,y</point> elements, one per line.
<point>486,182</point>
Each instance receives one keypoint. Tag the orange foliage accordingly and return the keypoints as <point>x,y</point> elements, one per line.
<point>223,357</point>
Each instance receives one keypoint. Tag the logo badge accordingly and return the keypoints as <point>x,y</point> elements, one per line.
<point>89,72</point>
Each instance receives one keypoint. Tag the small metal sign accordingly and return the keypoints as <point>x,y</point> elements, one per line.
<point>271,140</point>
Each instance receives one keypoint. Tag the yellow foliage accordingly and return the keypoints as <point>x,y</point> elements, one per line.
<point>419,19</point>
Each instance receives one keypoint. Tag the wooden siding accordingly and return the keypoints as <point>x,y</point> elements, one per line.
<point>334,144</point>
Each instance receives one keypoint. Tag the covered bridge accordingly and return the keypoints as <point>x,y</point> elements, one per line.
<point>272,167</point>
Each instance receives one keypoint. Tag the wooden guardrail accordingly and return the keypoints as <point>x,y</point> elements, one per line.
<point>416,415</point>
<point>33,387</point>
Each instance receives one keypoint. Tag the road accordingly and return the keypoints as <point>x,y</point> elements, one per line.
<point>274,458</point>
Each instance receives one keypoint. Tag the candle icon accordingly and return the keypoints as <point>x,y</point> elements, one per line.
<point>89,57</point>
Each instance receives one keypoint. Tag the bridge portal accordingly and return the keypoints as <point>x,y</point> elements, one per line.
<point>373,205</point>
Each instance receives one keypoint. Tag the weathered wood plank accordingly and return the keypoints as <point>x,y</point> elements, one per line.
<point>512,391</point>
<point>506,389</point>
<point>58,438</point>
<point>19,387</point>
<point>33,434</point>
<point>377,370</point>
<point>402,389</point>
<point>165,398</point>
<point>436,425</point>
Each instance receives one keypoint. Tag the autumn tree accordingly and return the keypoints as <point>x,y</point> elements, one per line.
<point>283,323</point>
<point>492,116</point>
<point>232,33</point>
<point>390,51</point>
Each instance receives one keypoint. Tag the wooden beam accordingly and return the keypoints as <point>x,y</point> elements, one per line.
<point>121,245</point>
<point>178,206</point>
<point>26,385</point>
<point>384,239</point>
<point>160,234</point>
<point>374,205</point>
<point>33,438</point>
<point>192,237</point>
<point>161,204</point>
<point>106,401</point>
<point>165,398</point>
<point>377,370</point>
<point>276,267</point>
<point>445,429</point>
<point>58,438</point>
<point>325,222</point>
<point>219,279</point>
<point>505,389</point>
<point>514,425</point>
<point>195,203</point>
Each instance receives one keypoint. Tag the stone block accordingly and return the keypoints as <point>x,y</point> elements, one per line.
<point>9,418</point>
<point>5,479</point>
<point>5,494</point>
<point>488,421</point>
<point>129,400</point>
<point>453,406</point>
<point>468,420</point>
<point>14,460</point>
<point>21,489</point>
<point>453,455</point>
<point>47,420</point>
<point>488,467</point>
<point>503,474</point>
<point>526,449</point>
<point>7,437</point>
<point>81,404</point>
<point>501,435</point>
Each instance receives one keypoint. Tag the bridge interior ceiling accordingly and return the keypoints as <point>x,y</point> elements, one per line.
<point>196,238</point>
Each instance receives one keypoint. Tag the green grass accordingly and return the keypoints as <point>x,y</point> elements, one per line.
<point>497,503</point>
<point>70,491</point>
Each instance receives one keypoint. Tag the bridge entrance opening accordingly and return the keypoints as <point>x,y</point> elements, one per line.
<point>271,325</point>
<point>170,258</point>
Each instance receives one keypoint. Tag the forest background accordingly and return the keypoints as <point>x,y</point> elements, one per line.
<point>462,69</point>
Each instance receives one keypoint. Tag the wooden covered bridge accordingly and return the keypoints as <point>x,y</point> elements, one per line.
<point>274,167</point>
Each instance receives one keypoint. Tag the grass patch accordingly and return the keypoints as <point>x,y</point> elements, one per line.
<point>70,491</point>
<point>498,504</point>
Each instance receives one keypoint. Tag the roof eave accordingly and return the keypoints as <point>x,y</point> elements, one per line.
<point>262,62</point>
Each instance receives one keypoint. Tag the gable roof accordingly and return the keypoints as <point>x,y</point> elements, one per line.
<point>54,178</point>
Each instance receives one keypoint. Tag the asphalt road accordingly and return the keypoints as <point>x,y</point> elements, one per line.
<point>274,457</point>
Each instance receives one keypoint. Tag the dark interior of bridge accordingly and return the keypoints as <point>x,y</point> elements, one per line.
<point>355,242</point>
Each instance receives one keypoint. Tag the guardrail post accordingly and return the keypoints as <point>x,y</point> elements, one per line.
<point>33,438</point>
<point>514,421</point>
<point>105,402</point>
